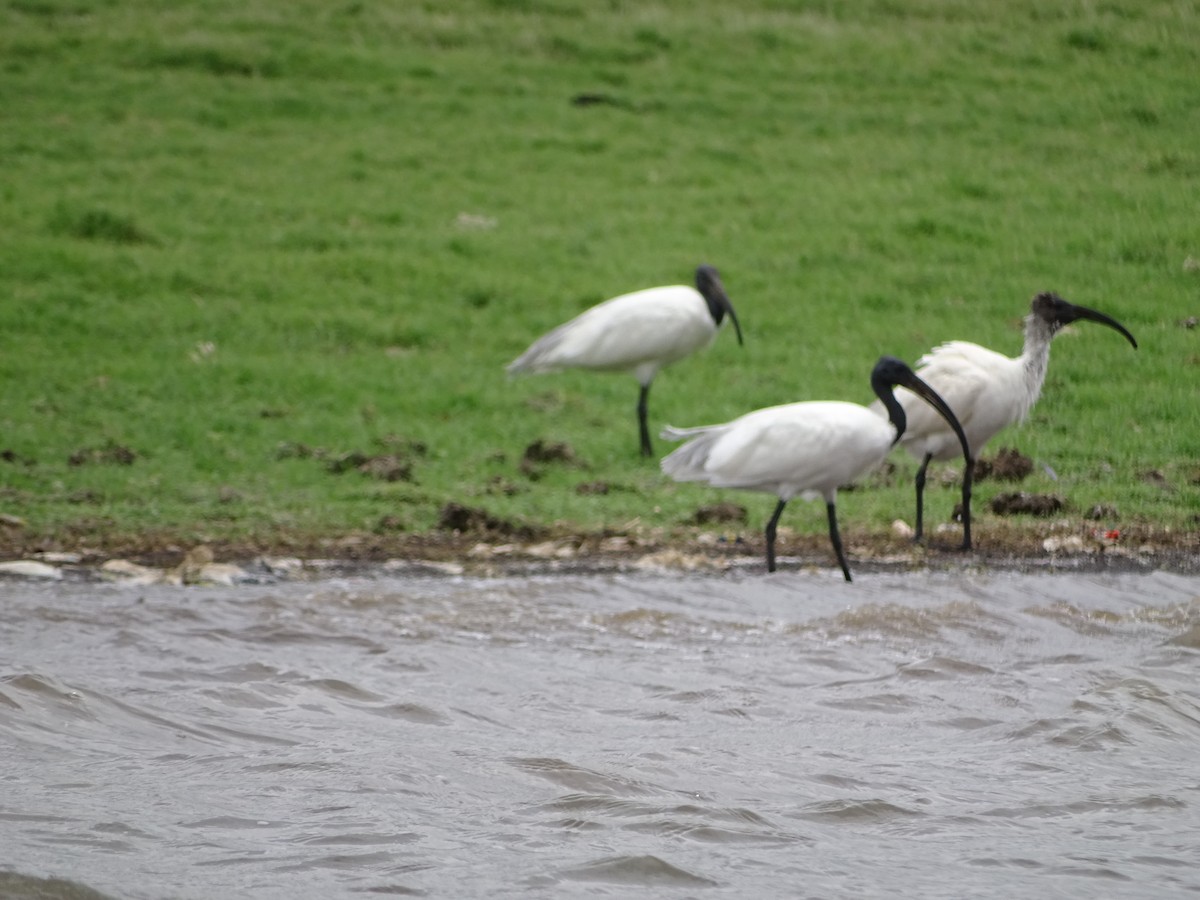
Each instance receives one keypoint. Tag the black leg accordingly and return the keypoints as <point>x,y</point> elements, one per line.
<point>968,481</point>
<point>647,449</point>
<point>921,498</point>
<point>836,539</point>
<point>771,534</point>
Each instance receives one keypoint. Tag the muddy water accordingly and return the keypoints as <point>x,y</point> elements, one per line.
<point>739,736</point>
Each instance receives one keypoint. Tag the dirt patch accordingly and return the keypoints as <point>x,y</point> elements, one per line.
<point>1030,504</point>
<point>1158,479</point>
<point>455,517</point>
<point>719,513</point>
<point>11,456</point>
<point>384,466</point>
<point>395,463</point>
<point>107,454</point>
<point>1008,464</point>
<point>542,453</point>
<point>1102,512</point>
<point>587,488</point>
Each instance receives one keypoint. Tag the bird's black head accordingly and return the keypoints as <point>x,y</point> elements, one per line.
<point>708,283</point>
<point>1057,312</point>
<point>890,372</point>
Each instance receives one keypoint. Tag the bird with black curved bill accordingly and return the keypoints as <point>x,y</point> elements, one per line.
<point>803,449</point>
<point>988,391</point>
<point>641,333</point>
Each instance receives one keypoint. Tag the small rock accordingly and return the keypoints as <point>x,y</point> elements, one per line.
<point>474,221</point>
<point>902,529</point>
<point>130,572</point>
<point>615,544</point>
<point>10,521</point>
<point>1070,543</point>
<point>225,574</point>
<point>550,550</point>
<point>62,559</point>
<point>283,566</point>
<point>30,568</point>
<point>189,571</point>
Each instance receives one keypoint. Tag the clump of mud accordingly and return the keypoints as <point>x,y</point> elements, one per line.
<point>1030,504</point>
<point>1009,464</point>
<point>472,520</point>
<point>395,463</point>
<point>542,453</point>
<point>719,513</point>
<point>111,453</point>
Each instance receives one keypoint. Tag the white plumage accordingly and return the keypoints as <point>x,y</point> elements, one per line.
<point>639,333</point>
<point>795,450</point>
<point>800,449</point>
<point>987,390</point>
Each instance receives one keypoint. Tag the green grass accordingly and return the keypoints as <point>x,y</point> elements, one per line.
<point>227,228</point>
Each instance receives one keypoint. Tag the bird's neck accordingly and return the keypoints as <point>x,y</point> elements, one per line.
<point>894,410</point>
<point>1035,358</point>
<point>714,307</point>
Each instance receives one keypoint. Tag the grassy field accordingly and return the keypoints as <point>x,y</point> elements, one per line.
<point>245,247</point>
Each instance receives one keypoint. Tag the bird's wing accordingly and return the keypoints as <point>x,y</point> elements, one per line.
<point>812,446</point>
<point>655,325</point>
<point>973,381</point>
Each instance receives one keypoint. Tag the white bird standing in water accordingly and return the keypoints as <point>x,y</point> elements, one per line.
<point>987,391</point>
<point>802,449</point>
<point>639,333</point>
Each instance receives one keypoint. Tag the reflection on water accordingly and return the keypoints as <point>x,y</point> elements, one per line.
<point>741,735</point>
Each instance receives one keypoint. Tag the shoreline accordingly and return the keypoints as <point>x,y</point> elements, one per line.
<point>172,559</point>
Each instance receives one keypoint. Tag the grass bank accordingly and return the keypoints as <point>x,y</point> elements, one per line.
<point>262,263</point>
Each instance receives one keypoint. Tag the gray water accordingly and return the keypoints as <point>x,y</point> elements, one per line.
<point>739,735</point>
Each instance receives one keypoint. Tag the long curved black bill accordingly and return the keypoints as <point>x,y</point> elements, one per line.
<point>905,377</point>
<point>1082,312</point>
<point>733,317</point>
<point>934,399</point>
<point>708,282</point>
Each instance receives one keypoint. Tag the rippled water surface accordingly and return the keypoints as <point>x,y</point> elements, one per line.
<point>750,736</point>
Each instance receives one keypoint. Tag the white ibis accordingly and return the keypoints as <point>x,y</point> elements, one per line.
<point>987,391</point>
<point>802,449</point>
<point>639,333</point>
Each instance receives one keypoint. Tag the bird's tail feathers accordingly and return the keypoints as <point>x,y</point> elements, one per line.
<point>690,462</point>
<point>671,433</point>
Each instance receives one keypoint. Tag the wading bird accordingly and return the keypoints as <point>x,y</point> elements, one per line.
<point>987,391</point>
<point>802,449</point>
<point>639,333</point>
